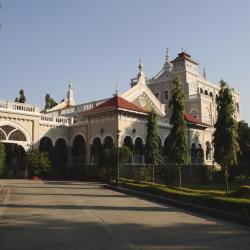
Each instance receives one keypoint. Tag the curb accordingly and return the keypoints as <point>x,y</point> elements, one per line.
<point>219,214</point>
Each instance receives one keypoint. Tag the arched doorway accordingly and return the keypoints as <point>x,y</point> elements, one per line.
<point>14,160</point>
<point>15,141</point>
<point>96,150</point>
<point>61,153</point>
<point>128,142</point>
<point>46,145</point>
<point>139,151</point>
<point>197,154</point>
<point>78,151</point>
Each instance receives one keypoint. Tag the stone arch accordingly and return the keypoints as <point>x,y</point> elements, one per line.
<point>14,131</point>
<point>71,143</point>
<point>96,149</point>
<point>61,152</point>
<point>138,146</point>
<point>128,141</point>
<point>78,150</point>
<point>138,136</point>
<point>46,145</point>
<point>61,137</point>
<point>108,142</point>
<point>108,135</point>
<point>201,90</point>
<point>94,137</point>
<point>211,95</point>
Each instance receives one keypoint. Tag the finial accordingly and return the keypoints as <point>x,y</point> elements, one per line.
<point>116,88</point>
<point>167,55</point>
<point>140,66</point>
<point>204,73</point>
<point>70,83</point>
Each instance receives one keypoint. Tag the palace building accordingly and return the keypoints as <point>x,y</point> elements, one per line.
<point>77,133</point>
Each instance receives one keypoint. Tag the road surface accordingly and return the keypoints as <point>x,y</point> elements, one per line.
<point>82,215</point>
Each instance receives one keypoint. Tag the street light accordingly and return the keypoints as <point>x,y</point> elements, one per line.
<point>118,169</point>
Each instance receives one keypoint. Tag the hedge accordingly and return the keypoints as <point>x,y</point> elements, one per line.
<point>225,203</point>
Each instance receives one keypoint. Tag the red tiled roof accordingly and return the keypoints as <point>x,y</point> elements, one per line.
<point>191,119</point>
<point>115,103</point>
<point>184,55</point>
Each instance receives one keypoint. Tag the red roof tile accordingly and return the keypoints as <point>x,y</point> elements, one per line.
<point>184,55</point>
<point>191,119</point>
<point>115,103</point>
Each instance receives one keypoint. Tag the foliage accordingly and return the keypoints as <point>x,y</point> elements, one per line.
<point>226,147</point>
<point>37,162</point>
<point>177,139</point>
<point>21,98</point>
<point>152,147</point>
<point>244,142</point>
<point>49,102</point>
<point>2,157</point>
<point>110,156</point>
<point>212,200</point>
<point>243,192</point>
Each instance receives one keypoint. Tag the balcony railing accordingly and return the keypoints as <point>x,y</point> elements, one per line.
<point>56,120</point>
<point>19,107</point>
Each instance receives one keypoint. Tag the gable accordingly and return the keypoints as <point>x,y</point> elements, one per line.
<point>143,97</point>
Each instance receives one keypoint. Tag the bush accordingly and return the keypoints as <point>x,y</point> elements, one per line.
<point>37,162</point>
<point>243,192</point>
<point>224,203</point>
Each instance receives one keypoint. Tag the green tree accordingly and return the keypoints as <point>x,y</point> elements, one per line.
<point>244,142</point>
<point>177,139</point>
<point>37,162</point>
<point>21,98</point>
<point>49,102</point>
<point>152,148</point>
<point>226,147</point>
<point>2,157</point>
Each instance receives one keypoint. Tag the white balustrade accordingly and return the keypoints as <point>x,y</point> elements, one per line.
<point>18,107</point>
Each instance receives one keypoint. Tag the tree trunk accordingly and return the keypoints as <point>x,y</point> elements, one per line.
<point>180,180</point>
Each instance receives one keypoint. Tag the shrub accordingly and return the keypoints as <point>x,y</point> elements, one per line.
<point>37,162</point>
<point>243,192</point>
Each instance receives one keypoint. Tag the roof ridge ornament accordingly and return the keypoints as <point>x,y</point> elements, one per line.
<point>141,76</point>
<point>204,73</point>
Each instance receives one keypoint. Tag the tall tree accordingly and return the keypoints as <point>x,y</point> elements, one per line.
<point>244,142</point>
<point>178,143</point>
<point>21,98</point>
<point>226,147</point>
<point>49,102</point>
<point>152,149</point>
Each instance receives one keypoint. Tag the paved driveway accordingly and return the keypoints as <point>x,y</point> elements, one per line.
<point>74,215</point>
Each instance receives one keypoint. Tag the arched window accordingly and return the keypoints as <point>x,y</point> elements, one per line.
<point>108,143</point>
<point>157,95</point>
<point>211,95</point>
<point>201,90</point>
<point>138,146</point>
<point>206,92</point>
<point>128,142</point>
<point>46,145</point>
<point>96,150</point>
<point>61,153</point>
<point>78,150</point>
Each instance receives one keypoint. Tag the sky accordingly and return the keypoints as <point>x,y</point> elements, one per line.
<point>96,43</point>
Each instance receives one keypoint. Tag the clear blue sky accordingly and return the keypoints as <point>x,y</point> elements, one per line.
<point>44,43</point>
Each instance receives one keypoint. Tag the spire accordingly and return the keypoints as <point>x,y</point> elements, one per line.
<point>167,55</point>
<point>167,65</point>
<point>204,73</point>
<point>141,75</point>
<point>116,89</point>
<point>70,94</point>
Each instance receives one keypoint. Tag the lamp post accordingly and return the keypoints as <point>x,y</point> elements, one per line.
<point>118,168</point>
